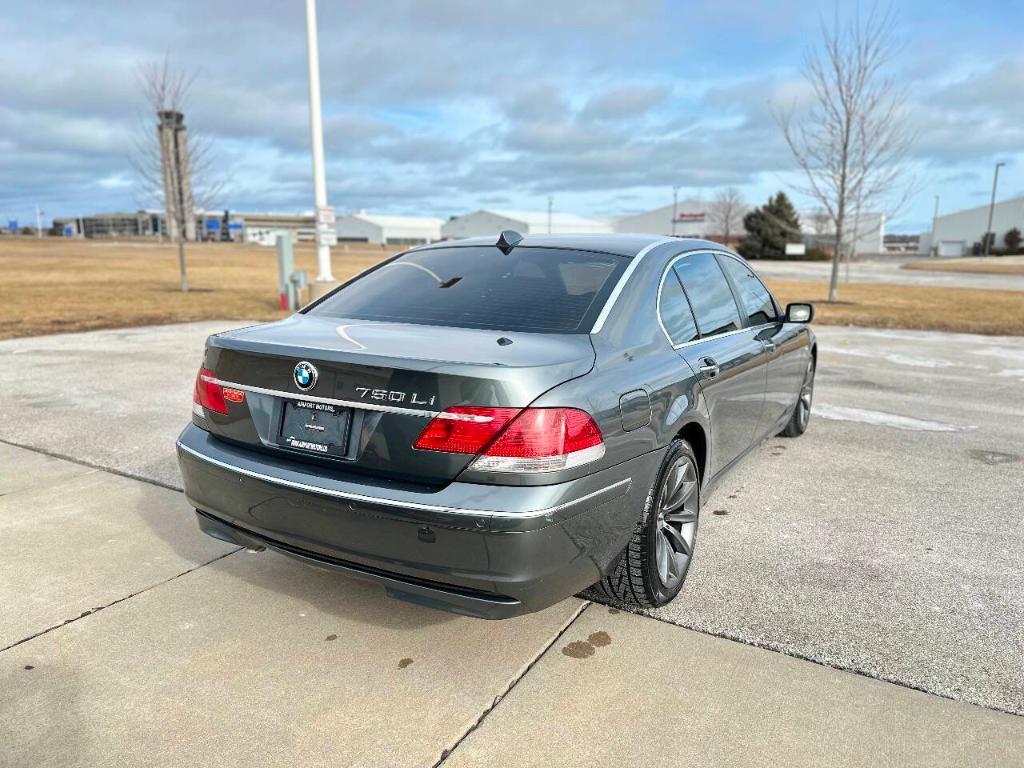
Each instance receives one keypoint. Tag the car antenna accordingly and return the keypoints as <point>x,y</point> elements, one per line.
<point>507,240</point>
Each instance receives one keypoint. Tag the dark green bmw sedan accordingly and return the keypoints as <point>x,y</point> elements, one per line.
<point>488,426</point>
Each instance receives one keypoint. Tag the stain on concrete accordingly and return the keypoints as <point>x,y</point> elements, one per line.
<point>331,637</point>
<point>578,649</point>
<point>600,639</point>
<point>613,611</point>
<point>29,666</point>
<point>993,458</point>
<point>403,663</point>
<point>720,512</point>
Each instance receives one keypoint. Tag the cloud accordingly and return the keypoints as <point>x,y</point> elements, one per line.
<point>441,106</point>
<point>625,102</point>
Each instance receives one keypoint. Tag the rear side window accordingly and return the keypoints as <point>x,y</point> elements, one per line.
<point>755,300</point>
<point>540,290</point>
<point>709,294</point>
<point>676,316</point>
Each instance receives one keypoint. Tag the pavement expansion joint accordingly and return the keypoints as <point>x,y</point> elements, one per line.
<point>91,611</point>
<point>775,648</point>
<point>513,683</point>
<point>91,465</point>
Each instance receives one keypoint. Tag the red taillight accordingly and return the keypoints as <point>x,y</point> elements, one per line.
<point>464,429</point>
<point>212,396</point>
<point>514,440</point>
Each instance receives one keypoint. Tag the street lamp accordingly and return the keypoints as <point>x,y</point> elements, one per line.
<point>325,234</point>
<point>991,209</point>
<point>933,246</point>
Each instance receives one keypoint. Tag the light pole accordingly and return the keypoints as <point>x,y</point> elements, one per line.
<point>675,208</point>
<point>991,209</point>
<point>324,216</point>
<point>550,202</point>
<point>934,246</point>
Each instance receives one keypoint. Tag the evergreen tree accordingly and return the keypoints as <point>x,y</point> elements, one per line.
<point>1011,240</point>
<point>769,228</point>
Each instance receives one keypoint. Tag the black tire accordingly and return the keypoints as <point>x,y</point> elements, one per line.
<point>801,417</point>
<point>639,577</point>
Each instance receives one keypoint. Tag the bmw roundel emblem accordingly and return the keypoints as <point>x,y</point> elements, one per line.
<point>305,376</point>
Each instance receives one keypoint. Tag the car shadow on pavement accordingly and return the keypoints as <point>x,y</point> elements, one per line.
<point>325,591</point>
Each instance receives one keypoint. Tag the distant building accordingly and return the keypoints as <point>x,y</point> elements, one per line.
<point>112,225</point>
<point>363,227</point>
<point>867,230</point>
<point>486,222</point>
<point>693,219</point>
<point>956,233</point>
<point>262,228</point>
<point>902,243</point>
<point>251,227</point>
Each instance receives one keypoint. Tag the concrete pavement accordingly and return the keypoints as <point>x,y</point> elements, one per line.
<point>161,647</point>
<point>648,695</point>
<point>256,660</point>
<point>865,544</point>
<point>886,541</point>
<point>889,271</point>
<point>73,539</point>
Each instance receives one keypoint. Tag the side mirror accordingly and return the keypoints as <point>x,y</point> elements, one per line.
<point>799,313</point>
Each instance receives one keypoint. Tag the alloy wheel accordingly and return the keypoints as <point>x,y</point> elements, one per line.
<point>806,396</point>
<point>676,524</point>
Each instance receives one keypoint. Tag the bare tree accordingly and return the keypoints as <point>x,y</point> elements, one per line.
<point>726,212</point>
<point>173,165</point>
<point>853,140</point>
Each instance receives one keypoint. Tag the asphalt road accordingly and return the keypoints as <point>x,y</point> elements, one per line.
<point>886,541</point>
<point>889,271</point>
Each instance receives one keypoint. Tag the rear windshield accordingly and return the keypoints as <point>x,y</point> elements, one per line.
<point>540,290</point>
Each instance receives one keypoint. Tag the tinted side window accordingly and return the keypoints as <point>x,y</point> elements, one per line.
<point>755,300</point>
<point>709,294</point>
<point>676,315</point>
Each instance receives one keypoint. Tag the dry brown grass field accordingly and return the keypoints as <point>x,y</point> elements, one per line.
<point>50,285</point>
<point>988,265</point>
<point>924,308</point>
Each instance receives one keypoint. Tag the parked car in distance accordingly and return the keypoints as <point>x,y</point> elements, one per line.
<point>489,426</point>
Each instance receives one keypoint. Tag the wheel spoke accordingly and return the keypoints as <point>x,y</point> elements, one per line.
<point>681,483</point>
<point>662,553</point>
<point>684,516</point>
<point>677,540</point>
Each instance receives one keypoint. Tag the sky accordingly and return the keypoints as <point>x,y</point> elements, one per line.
<point>442,107</point>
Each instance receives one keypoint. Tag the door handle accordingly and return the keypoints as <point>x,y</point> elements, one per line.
<point>708,367</point>
<point>769,346</point>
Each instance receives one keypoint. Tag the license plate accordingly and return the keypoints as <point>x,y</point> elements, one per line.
<point>318,428</point>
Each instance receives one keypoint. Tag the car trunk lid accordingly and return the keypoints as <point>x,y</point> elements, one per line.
<point>384,381</point>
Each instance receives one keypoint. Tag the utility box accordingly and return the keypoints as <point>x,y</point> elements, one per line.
<point>285,268</point>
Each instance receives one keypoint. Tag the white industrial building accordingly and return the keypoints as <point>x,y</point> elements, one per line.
<point>363,227</point>
<point>954,234</point>
<point>484,223</point>
<point>867,230</point>
<point>693,219</point>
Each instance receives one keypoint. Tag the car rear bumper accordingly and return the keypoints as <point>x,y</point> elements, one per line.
<point>488,551</point>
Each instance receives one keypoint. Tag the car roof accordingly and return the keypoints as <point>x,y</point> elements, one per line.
<point>628,245</point>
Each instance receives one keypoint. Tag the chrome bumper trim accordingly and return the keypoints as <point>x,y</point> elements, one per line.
<point>349,496</point>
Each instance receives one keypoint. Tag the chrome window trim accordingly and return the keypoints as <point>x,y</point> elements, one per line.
<point>333,401</point>
<point>619,286</point>
<point>775,302</point>
<point>413,505</point>
<point>661,285</point>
